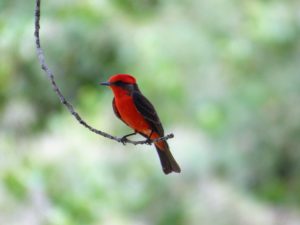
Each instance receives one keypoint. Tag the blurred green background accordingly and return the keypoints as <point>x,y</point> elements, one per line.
<point>224,77</point>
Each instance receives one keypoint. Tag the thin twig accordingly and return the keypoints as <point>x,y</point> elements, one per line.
<point>63,100</point>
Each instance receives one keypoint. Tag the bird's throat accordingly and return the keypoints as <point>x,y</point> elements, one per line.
<point>120,92</point>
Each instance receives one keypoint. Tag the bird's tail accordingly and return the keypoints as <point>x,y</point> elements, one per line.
<point>167,160</point>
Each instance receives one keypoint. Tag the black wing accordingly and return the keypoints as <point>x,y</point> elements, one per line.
<point>145,107</point>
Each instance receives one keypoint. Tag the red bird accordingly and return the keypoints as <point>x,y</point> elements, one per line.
<point>136,111</point>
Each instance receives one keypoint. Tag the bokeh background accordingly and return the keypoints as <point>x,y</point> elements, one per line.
<point>224,77</point>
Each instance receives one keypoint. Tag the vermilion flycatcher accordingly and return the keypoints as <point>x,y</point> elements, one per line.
<point>136,111</point>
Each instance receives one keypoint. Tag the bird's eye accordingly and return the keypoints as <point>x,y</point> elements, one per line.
<point>119,83</point>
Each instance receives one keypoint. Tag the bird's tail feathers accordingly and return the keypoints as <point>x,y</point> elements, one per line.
<point>167,160</point>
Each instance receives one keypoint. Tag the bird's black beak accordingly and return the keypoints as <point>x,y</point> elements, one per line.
<point>105,83</point>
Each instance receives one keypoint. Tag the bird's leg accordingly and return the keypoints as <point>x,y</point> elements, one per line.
<point>124,138</point>
<point>149,141</point>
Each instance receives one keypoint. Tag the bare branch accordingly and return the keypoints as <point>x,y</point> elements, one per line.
<point>63,100</point>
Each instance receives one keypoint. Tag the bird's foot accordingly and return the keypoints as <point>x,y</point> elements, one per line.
<point>124,139</point>
<point>149,141</point>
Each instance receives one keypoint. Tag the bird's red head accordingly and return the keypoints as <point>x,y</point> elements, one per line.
<point>125,78</point>
<point>121,84</point>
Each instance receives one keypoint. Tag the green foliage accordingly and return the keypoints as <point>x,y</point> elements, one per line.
<point>223,75</point>
<point>138,9</point>
<point>15,184</point>
<point>211,117</point>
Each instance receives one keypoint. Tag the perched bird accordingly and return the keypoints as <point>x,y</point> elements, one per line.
<point>136,111</point>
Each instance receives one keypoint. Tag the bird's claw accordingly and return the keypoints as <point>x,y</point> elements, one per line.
<point>123,140</point>
<point>149,141</point>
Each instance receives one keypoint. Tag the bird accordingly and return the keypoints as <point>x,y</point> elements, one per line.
<point>137,112</point>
